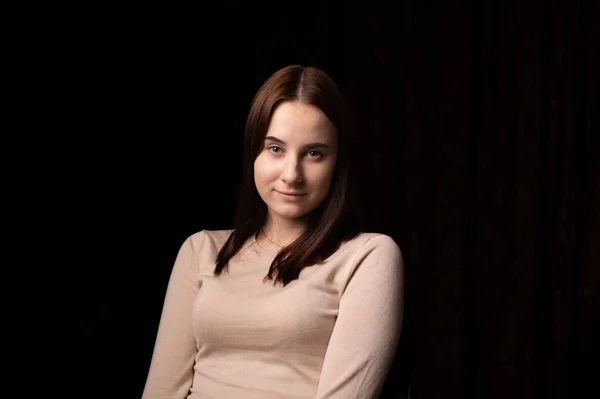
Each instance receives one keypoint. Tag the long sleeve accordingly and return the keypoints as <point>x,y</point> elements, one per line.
<point>171,369</point>
<point>367,330</point>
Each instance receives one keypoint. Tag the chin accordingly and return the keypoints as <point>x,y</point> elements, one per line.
<point>290,213</point>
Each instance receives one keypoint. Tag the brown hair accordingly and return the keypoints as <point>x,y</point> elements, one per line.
<point>336,219</point>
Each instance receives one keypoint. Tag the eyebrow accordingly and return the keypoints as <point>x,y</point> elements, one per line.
<point>311,145</point>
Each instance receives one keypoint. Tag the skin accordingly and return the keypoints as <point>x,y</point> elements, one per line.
<point>298,156</point>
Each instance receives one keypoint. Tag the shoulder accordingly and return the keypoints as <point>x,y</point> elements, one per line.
<point>365,243</point>
<point>209,239</point>
<point>376,252</point>
<point>205,246</point>
<point>376,262</point>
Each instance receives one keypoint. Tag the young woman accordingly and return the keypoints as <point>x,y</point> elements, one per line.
<point>295,301</point>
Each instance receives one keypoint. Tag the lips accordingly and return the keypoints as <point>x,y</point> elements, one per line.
<point>293,194</point>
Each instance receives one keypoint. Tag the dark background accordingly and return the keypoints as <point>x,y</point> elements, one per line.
<point>479,125</point>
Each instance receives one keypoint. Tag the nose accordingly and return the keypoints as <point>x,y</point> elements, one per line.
<point>292,171</point>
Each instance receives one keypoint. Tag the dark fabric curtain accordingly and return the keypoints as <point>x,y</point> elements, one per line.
<point>479,122</point>
<point>485,118</point>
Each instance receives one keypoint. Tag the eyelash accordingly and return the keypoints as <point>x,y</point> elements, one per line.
<point>319,154</point>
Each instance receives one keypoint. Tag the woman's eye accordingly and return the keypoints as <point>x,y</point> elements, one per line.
<point>275,149</point>
<point>314,154</point>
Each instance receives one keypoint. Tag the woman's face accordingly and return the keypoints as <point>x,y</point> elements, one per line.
<point>294,169</point>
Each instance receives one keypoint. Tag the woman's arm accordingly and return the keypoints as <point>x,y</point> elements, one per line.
<point>171,369</point>
<point>368,326</point>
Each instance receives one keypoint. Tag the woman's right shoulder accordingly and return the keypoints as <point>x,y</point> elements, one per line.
<point>204,246</point>
<point>209,240</point>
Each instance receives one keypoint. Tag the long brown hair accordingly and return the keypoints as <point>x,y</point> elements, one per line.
<point>337,218</point>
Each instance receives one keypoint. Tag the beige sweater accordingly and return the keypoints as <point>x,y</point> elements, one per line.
<point>330,334</point>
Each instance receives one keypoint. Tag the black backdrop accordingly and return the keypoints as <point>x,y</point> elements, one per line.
<point>480,130</point>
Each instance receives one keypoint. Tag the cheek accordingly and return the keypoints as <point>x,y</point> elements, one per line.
<point>322,177</point>
<point>264,171</point>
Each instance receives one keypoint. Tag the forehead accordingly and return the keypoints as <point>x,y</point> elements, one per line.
<point>297,122</point>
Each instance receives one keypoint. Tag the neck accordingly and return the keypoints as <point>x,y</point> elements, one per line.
<point>282,232</point>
